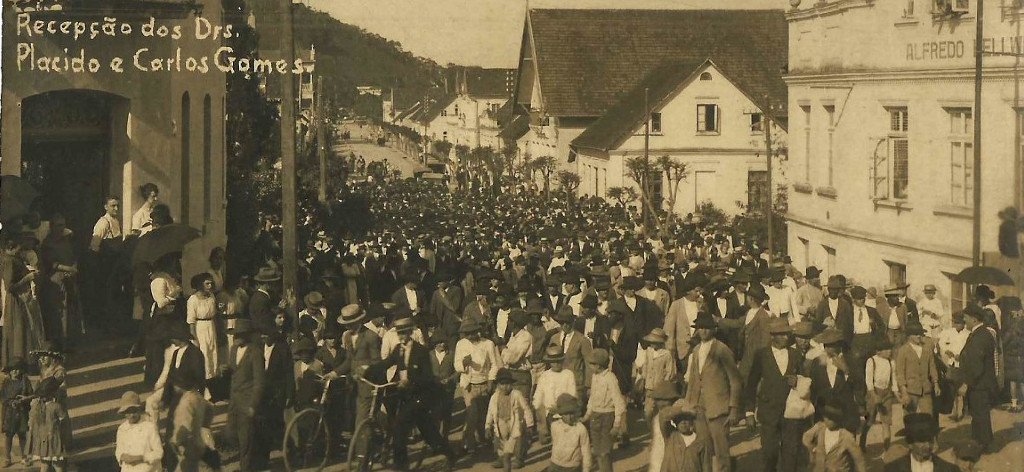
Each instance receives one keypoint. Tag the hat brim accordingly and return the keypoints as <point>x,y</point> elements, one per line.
<point>124,408</point>
<point>358,318</point>
<point>266,279</point>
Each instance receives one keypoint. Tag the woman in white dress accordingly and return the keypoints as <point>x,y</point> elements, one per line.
<point>201,313</point>
<point>141,220</point>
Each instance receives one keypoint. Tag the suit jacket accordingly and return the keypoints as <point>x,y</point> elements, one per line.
<point>446,306</point>
<point>754,336</point>
<point>364,352</point>
<point>277,393</point>
<point>915,375</point>
<point>473,311</point>
<point>401,300</point>
<point>557,304</point>
<point>660,297</point>
<point>422,383</point>
<point>770,386</point>
<point>903,465</point>
<point>845,455</point>
<point>307,385</point>
<point>843,317</point>
<point>260,313</point>
<point>716,386</point>
<point>247,377</point>
<point>822,392</point>
<point>444,371</point>
<point>977,360</point>
<point>600,337</point>
<point>677,327</point>
<point>576,354</point>
<point>635,325</point>
<point>192,367</point>
<point>901,311</point>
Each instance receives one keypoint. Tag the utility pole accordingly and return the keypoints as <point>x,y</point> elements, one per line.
<point>289,243</point>
<point>770,213</point>
<point>978,54</point>
<point>321,143</point>
<point>646,185</point>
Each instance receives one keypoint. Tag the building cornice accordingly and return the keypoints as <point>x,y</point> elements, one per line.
<point>823,8</point>
<point>906,75</point>
<point>898,243</point>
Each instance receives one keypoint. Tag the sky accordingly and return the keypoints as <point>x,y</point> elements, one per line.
<point>480,32</point>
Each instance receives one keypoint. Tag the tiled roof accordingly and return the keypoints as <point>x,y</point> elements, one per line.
<point>488,82</point>
<point>620,121</point>
<point>432,108</point>
<point>518,128</point>
<point>588,58</point>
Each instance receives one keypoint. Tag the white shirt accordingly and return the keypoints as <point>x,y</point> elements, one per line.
<point>484,354</point>
<point>630,302</point>
<point>267,351</point>
<point>751,313</point>
<point>139,439</point>
<point>780,300</point>
<point>916,466</point>
<point>501,323</point>
<point>240,353</point>
<point>833,306</point>
<point>781,359</point>
<point>917,349</point>
<point>831,438</point>
<point>550,385</point>
<point>588,325</point>
<point>861,320</point>
<point>935,306</point>
<point>953,341</point>
<point>414,304</point>
<point>702,355</point>
<point>566,339</point>
<point>723,306</point>
<point>832,371</point>
<point>894,319</point>
<point>878,374</point>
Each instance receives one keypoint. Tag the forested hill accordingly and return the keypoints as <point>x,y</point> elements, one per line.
<point>348,56</point>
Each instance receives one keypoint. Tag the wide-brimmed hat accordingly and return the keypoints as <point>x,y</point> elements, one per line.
<point>402,325</point>
<point>833,412</point>
<point>267,274</point>
<point>741,277</point>
<point>882,343</point>
<point>657,335</point>
<point>693,281</point>
<point>129,400</point>
<point>553,353</point>
<point>242,326</point>
<point>351,314</point>
<point>567,404</point>
<point>919,427</point>
<point>16,363</point>
<point>858,293</point>
<point>804,329</point>
<point>829,336</point>
<point>895,289</point>
<point>757,291</point>
<point>469,326</point>
<point>177,331</point>
<point>48,349</point>
<point>504,376</point>
<point>835,282</point>
<point>632,282</point>
<point>968,450</point>
<point>704,320</point>
<point>589,301</point>
<point>974,311</point>
<point>779,326</point>
<point>666,390</point>
<point>564,315</point>
<point>914,328</point>
<point>303,345</point>
<point>313,299</point>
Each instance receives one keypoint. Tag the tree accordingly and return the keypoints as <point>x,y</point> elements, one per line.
<point>508,156</point>
<point>675,172</point>
<point>568,181</point>
<point>525,167</point>
<point>442,147</point>
<point>546,166</point>
<point>641,171</point>
<point>624,195</point>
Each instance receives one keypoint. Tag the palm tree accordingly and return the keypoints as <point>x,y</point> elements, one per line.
<point>546,166</point>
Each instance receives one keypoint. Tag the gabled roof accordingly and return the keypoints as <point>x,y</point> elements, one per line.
<point>587,59</point>
<point>620,121</point>
<point>487,83</point>
<point>518,128</point>
<point>432,108</point>
<point>408,111</point>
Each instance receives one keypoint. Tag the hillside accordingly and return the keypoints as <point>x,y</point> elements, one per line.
<point>348,56</point>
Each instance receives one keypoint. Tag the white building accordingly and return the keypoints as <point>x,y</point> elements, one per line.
<point>581,70</point>
<point>881,99</point>
<point>700,116</point>
<point>471,117</point>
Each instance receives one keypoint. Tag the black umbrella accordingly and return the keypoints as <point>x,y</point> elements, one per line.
<point>984,275</point>
<point>162,241</point>
<point>16,196</point>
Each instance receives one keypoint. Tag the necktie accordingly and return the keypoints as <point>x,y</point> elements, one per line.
<point>860,314</point>
<point>565,341</point>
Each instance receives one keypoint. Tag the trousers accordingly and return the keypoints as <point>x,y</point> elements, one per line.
<point>240,425</point>
<point>476,399</point>
<point>718,431</point>
<point>979,405</point>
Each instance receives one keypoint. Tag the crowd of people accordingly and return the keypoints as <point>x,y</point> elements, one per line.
<point>559,323</point>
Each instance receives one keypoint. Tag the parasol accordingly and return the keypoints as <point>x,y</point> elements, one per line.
<point>984,275</point>
<point>162,241</point>
<point>16,196</point>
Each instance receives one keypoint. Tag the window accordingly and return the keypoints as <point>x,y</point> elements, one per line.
<point>656,123</point>
<point>807,142</point>
<point>186,155</point>
<point>957,291</point>
<point>444,112</point>
<point>830,112</point>
<point>806,246</point>
<point>756,123</point>
<point>657,194</point>
<point>961,157</point>
<point>758,194</point>
<point>705,76</point>
<point>897,273</point>
<point>890,170</point>
<point>830,260</point>
<point>951,6</point>
<point>707,118</point>
<point>456,110</point>
<point>444,136</point>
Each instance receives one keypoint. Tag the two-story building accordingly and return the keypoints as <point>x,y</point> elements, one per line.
<point>576,66</point>
<point>701,116</point>
<point>882,113</point>
<point>471,117</point>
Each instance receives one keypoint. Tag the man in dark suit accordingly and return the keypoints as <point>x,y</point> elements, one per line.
<point>977,363</point>
<point>408,296</point>
<point>920,430</point>
<point>442,364</point>
<point>772,376</point>
<point>592,325</point>
<point>714,387</point>
<point>184,363</point>
<point>446,304</point>
<point>637,316</point>
<point>576,348</point>
<point>262,302</point>
<point>866,327</point>
<point>420,393</point>
<point>835,310</point>
<point>245,362</point>
<point>362,347</point>
<point>278,394</point>
<point>554,299</point>
<point>831,382</point>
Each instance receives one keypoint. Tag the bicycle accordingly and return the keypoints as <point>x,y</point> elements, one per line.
<point>372,440</point>
<point>307,442</point>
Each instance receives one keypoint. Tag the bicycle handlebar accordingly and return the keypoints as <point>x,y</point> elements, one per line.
<point>377,386</point>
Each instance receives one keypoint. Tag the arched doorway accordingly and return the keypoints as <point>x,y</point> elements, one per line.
<point>68,140</point>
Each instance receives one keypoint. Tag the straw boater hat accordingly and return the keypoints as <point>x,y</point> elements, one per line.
<point>657,335</point>
<point>48,349</point>
<point>129,401</point>
<point>804,329</point>
<point>553,353</point>
<point>351,314</point>
<point>267,275</point>
<point>313,299</point>
<point>895,289</point>
<point>404,325</point>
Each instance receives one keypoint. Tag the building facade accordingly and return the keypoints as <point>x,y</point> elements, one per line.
<point>82,136</point>
<point>881,99</point>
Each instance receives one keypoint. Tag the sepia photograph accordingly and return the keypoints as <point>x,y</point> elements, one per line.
<point>512,235</point>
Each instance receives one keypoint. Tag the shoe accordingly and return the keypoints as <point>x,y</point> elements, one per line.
<point>498,464</point>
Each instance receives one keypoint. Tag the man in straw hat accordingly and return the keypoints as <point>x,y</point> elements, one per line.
<point>138,447</point>
<point>421,393</point>
<point>246,365</point>
<point>551,383</point>
<point>362,346</point>
<point>772,376</point>
<point>977,363</point>
<point>654,365</point>
<point>314,310</point>
<point>714,387</point>
<point>920,430</point>
<point>477,359</point>
<point>264,299</point>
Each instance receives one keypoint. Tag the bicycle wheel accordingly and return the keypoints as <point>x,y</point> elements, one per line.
<point>418,450</point>
<point>306,445</point>
<point>363,449</point>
